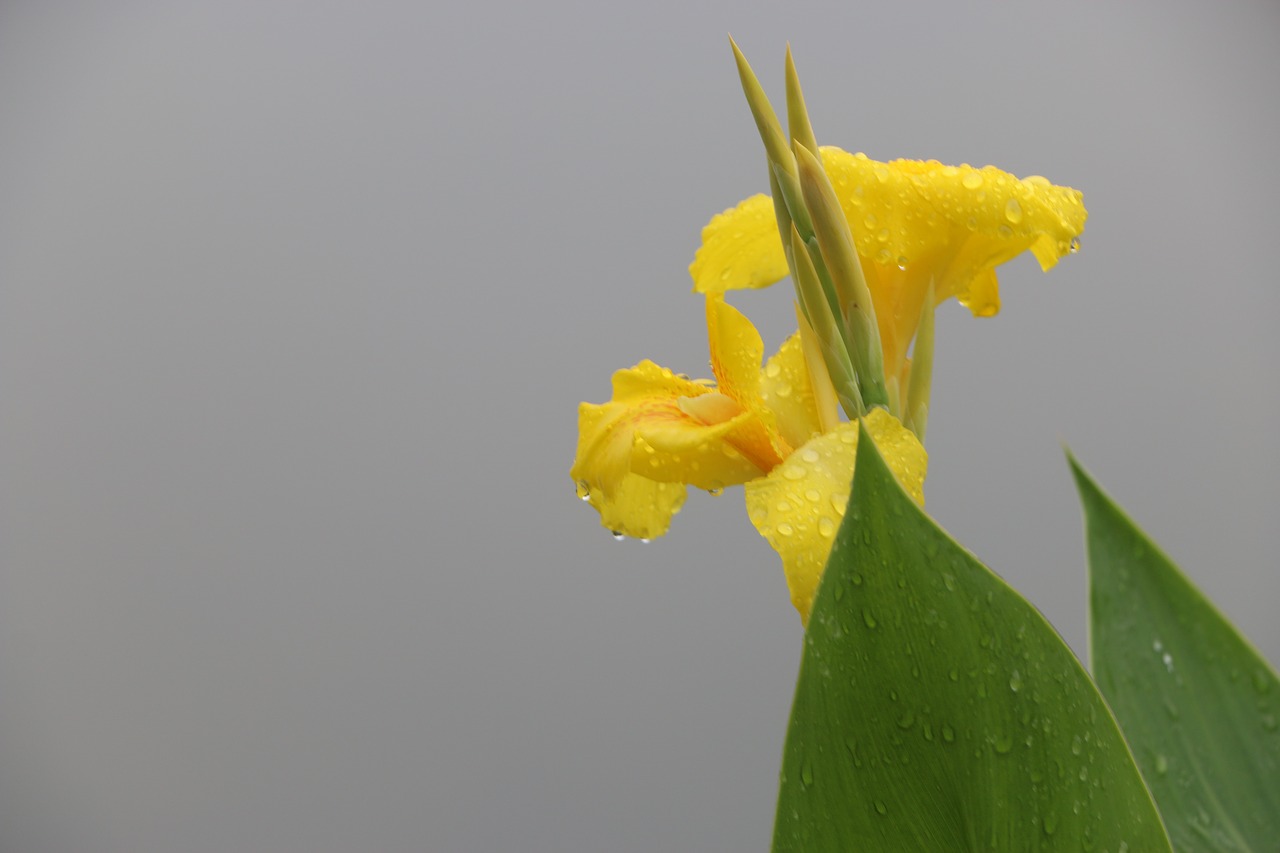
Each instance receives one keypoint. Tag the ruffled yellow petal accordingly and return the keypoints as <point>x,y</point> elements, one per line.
<point>798,506</point>
<point>786,390</point>
<point>639,507</point>
<point>628,504</point>
<point>961,221</point>
<point>736,354</point>
<point>681,447</point>
<point>914,223</point>
<point>661,429</point>
<point>740,249</point>
<point>607,447</point>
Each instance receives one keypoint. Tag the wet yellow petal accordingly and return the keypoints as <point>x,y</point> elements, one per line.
<point>960,221</point>
<point>636,453</point>
<point>681,447</point>
<point>736,354</point>
<point>799,505</point>
<point>607,447</point>
<point>639,507</point>
<point>740,249</point>
<point>786,389</point>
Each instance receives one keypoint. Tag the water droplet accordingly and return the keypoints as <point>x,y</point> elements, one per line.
<point>839,502</point>
<point>1050,825</point>
<point>772,370</point>
<point>810,455</point>
<point>856,578</point>
<point>1015,681</point>
<point>839,592</point>
<point>1261,682</point>
<point>1075,245</point>
<point>1005,231</point>
<point>793,472</point>
<point>1013,211</point>
<point>715,493</point>
<point>1077,745</point>
<point>783,389</point>
<point>812,495</point>
<point>644,541</point>
<point>1162,764</point>
<point>972,180</point>
<point>907,720</point>
<point>826,527</point>
<point>726,273</point>
<point>786,529</point>
<point>806,774</point>
<point>948,733</point>
<point>1003,744</point>
<point>584,490</point>
<point>617,535</point>
<point>867,616</point>
<point>880,807</point>
<point>783,506</point>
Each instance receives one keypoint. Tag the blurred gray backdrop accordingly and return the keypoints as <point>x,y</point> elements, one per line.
<point>297,302</point>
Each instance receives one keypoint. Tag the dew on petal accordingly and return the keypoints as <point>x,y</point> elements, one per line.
<point>1013,211</point>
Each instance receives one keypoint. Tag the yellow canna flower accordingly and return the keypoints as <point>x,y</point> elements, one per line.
<point>914,225</point>
<point>757,425</point>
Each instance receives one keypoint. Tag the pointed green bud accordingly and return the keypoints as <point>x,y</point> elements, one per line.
<point>775,142</point>
<point>797,114</point>
<point>845,270</point>
<point>826,329</point>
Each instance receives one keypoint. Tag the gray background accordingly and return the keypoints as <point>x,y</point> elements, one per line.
<point>297,301</point>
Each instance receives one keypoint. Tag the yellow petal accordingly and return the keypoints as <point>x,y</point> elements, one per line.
<point>736,353</point>
<point>961,221</point>
<point>679,446</point>
<point>607,445</point>
<point>636,453</point>
<point>786,389</point>
<point>740,249</point>
<point>799,505</point>
<point>639,507</point>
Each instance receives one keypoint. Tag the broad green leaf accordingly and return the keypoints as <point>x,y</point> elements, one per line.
<point>1199,707</point>
<point>936,710</point>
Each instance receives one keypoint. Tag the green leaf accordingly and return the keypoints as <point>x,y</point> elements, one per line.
<point>1199,707</point>
<point>936,710</point>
